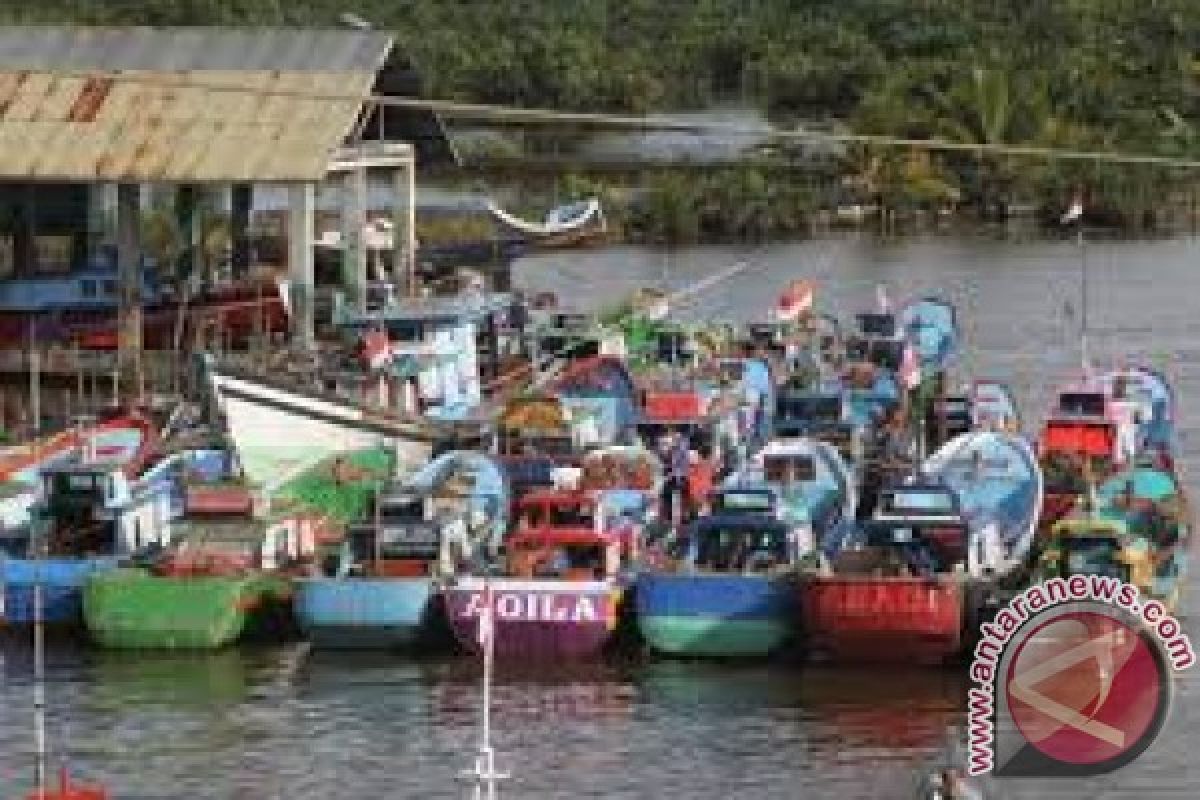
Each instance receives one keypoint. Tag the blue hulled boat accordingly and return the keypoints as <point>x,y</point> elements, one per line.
<point>732,593</point>
<point>387,576</point>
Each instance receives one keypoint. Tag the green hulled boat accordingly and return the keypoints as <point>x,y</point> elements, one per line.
<point>134,609</point>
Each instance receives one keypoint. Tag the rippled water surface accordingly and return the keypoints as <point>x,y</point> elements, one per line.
<point>287,723</point>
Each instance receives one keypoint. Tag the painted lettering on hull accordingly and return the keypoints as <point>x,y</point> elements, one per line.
<point>540,607</point>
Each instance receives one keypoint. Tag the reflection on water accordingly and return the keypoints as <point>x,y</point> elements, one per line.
<point>290,723</point>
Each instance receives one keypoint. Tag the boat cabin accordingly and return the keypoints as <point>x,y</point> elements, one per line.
<point>611,514</point>
<point>739,543</point>
<point>563,554</point>
<point>416,533</point>
<point>439,349</point>
<point>800,413</point>
<point>1097,545</point>
<point>95,509</point>
<point>234,544</point>
<point>918,528</point>
<point>1070,449</point>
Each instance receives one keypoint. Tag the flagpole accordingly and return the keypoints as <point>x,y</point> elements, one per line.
<point>1083,299</point>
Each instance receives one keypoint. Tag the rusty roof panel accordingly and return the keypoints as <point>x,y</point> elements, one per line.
<point>226,122</point>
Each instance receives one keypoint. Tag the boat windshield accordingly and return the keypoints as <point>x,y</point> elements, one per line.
<point>1094,555</point>
<point>877,324</point>
<point>778,468</point>
<point>737,549</point>
<point>559,516</point>
<point>818,408</point>
<point>748,500</point>
<point>919,501</point>
<point>1090,404</point>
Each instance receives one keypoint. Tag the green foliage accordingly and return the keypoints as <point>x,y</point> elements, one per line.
<point>1084,74</point>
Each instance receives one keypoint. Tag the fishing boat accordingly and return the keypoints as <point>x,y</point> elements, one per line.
<point>896,592</point>
<point>1079,443</point>
<point>535,434</point>
<point>224,579</point>
<point>999,482</point>
<point>562,611</point>
<point>731,592</point>
<point>383,590</point>
<point>99,509</point>
<point>419,389</point>
<point>1135,528</point>
<point>700,605</point>
<point>902,586</point>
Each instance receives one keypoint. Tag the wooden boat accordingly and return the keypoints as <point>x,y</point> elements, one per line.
<point>1079,443</point>
<point>803,487</point>
<point>1000,485</point>
<point>96,508</point>
<point>897,591</point>
<point>1137,530</point>
<point>814,488</point>
<point>385,580</point>
<point>225,577</point>
<point>568,225</point>
<point>900,586</point>
<point>732,591</point>
<point>543,612</point>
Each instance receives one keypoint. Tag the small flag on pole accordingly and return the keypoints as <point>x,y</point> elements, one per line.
<point>1075,212</point>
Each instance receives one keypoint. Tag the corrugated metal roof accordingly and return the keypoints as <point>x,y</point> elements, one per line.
<point>174,49</point>
<point>115,105</point>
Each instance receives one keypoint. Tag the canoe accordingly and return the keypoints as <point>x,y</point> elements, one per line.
<point>132,609</point>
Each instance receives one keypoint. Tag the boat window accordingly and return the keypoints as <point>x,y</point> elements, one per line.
<point>935,501</point>
<point>400,511</point>
<point>1086,403</point>
<point>817,408</point>
<point>802,468</point>
<point>110,288</point>
<point>1094,555</point>
<point>758,502</point>
<point>571,516</point>
<point>87,288</point>
<point>887,354</point>
<point>81,482</point>
<point>877,324</point>
<point>740,548</point>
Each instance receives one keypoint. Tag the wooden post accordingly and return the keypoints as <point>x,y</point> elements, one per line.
<point>35,387</point>
<point>129,270</point>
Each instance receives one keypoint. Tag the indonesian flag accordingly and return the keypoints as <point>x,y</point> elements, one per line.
<point>1075,212</point>
<point>487,625</point>
<point>375,348</point>
<point>910,368</point>
<point>881,297</point>
<point>796,299</point>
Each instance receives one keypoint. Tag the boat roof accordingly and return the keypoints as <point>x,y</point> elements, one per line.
<point>559,498</point>
<point>547,536</point>
<point>448,310</point>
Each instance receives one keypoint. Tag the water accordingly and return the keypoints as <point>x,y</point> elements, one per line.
<point>286,723</point>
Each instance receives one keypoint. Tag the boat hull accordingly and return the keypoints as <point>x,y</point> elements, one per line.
<point>364,613</point>
<point>869,619</point>
<point>134,610</point>
<point>720,616</point>
<point>62,583</point>
<point>537,619</point>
